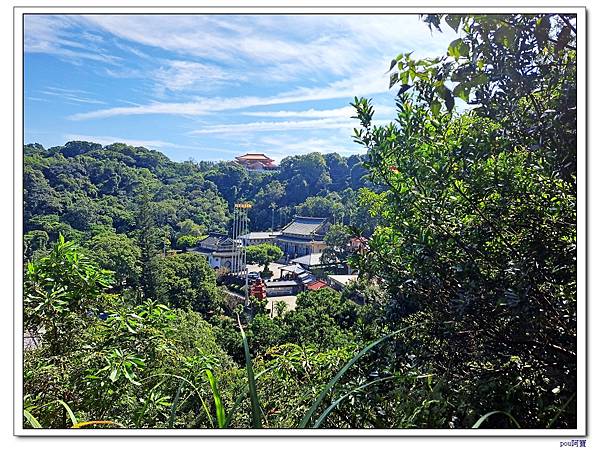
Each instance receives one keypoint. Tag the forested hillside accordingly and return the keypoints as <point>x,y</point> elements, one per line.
<point>82,190</point>
<point>465,311</point>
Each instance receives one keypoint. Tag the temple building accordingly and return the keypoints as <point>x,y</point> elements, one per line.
<point>220,252</point>
<point>303,236</point>
<point>256,162</point>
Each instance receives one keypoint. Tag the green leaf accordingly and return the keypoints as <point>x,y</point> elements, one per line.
<point>217,398</point>
<point>393,79</point>
<point>114,374</point>
<point>560,411</point>
<point>453,21</point>
<point>485,417</point>
<point>304,422</point>
<point>32,420</point>
<point>481,78</point>
<point>542,30</point>
<point>404,77</point>
<point>240,398</point>
<point>392,64</point>
<point>256,412</point>
<point>331,407</point>
<point>69,412</point>
<point>174,404</point>
<point>462,91</point>
<point>435,107</point>
<point>446,95</point>
<point>505,36</point>
<point>403,88</point>
<point>458,48</point>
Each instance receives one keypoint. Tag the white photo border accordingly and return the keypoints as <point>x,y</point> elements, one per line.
<point>582,202</point>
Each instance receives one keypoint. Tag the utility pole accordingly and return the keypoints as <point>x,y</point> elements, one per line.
<point>240,228</point>
<point>273,206</point>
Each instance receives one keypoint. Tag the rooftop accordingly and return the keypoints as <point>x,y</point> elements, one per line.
<point>273,284</point>
<point>214,241</point>
<point>260,235</point>
<point>254,157</point>
<point>314,259</point>
<point>304,225</point>
<point>316,285</point>
<point>293,268</point>
<point>343,279</point>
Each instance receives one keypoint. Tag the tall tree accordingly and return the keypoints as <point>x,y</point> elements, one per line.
<point>480,231</point>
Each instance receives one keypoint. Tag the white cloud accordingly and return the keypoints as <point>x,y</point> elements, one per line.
<point>72,95</point>
<point>178,75</point>
<point>218,68</point>
<point>345,112</point>
<point>53,34</point>
<point>369,81</point>
<point>288,125</point>
<point>280,47</point>
<point>241,128</point>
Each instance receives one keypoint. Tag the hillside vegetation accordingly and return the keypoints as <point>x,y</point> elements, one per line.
<point>464,314</point>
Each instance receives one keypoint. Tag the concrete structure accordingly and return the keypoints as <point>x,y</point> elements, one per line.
<point>303,236</point>
<point>256,162</point>
<point>260,237</point>
<point>339,282</point>
<point>309,262</point>
<point>218,249</point>
<point>278,288</point>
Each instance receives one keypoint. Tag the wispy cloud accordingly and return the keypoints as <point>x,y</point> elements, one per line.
<point>343,113</point>
<point>256,44</point>
<point>176,75</point>
<point>241,128</point>
<point>279,83</point>
<point>72,95</point>
<point>288,125</point>
<point>369,81</point>
<point>53,35</point>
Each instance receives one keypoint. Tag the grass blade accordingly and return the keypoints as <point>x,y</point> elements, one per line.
<point>174,405</point>
<point>240,398</point>
<point>97,422</point>
<point>331,407</point>
<point>303,423</point>
<point>218,403</point>
<point>256,412</point>
<point>485,416</point>
<point>560,411</point>
<point>32,420</point>
<point>69,412</point>
<point>204,406</point>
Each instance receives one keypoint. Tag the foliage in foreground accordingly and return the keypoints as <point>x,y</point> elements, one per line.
<point>480,224</point>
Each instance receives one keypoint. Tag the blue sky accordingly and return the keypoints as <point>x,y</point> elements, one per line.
<point>209,87</point>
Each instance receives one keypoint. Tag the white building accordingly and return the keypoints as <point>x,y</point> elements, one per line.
<point>220,252</point>
<point>260,237</point>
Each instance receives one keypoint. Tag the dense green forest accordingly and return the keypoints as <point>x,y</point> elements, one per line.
<point>467,291</point>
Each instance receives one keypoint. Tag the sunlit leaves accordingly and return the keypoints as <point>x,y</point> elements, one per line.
<point>458,48</point>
